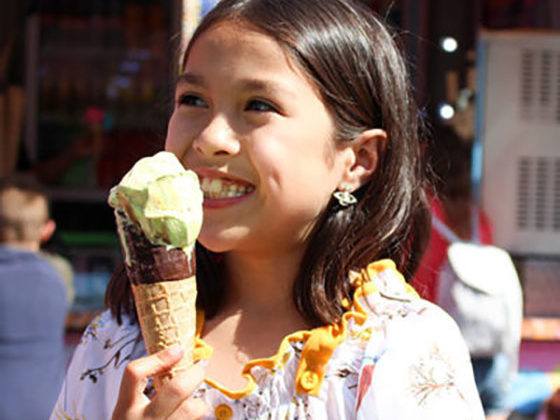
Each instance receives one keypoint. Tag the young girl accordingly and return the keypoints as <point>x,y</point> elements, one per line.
<point>298,114</point>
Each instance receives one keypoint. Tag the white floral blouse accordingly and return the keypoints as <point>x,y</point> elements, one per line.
<point>392,356</point>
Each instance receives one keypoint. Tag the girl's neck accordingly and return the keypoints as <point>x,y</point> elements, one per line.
<point>257,314</point>
<point>261,284</point>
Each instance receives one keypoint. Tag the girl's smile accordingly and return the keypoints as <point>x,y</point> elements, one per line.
<point>221,189</point>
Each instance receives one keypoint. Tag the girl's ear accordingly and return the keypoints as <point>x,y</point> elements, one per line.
<point>364,151</point>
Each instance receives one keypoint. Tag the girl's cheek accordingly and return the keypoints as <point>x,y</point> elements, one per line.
<point>176,140</point>
<point>170,145</point>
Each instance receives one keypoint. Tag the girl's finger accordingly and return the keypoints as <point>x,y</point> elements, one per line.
<point>173,394</point>
<point>191,408</point>
<point>137,372</point>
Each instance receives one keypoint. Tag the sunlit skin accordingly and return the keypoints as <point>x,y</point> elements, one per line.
<point>245,113</point>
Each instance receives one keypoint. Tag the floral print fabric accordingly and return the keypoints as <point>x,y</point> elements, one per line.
<point>399,357</point>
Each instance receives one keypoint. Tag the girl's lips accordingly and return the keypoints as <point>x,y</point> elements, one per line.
<point>221,189</point>
<point>217,203</point>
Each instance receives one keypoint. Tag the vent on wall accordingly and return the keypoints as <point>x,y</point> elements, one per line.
<point>518,127</point>
<point>540,85</point>
<point>538,193</point>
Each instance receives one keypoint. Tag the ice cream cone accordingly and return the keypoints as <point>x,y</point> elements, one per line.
<point>164,288</point>
<point>167,316</point>
<point>158,210</point>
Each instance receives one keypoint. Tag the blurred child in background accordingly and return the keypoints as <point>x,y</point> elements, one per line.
<point>33,305</point>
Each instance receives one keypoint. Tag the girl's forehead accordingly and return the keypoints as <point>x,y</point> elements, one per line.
<point>250,46</point>
<point>229,34</point>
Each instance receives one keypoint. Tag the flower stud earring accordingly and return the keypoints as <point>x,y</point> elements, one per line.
<point>345,197</point>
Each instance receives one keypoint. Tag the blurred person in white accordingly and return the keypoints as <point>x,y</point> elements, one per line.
<point>489,311</point>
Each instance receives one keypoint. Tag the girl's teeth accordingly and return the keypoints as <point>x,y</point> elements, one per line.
<point>216,188</point>
<point>205,185</point>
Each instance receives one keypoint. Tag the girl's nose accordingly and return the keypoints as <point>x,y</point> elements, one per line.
<point>217,139</point>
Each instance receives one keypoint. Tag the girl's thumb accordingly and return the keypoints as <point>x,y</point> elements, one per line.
<point>137,372</point>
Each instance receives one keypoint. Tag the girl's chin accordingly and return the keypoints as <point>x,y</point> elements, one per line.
<point>217,242</point>
<point>211,245</point>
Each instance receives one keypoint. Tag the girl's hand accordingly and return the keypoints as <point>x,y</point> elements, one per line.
<point>171,400</point>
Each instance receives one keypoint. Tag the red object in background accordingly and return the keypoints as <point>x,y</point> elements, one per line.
<point>122,149</point>
<point>425,281</point>
<point>94,115</point>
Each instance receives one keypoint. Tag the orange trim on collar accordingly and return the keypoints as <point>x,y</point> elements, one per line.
<point>202,351</point>
<point>323,341</point>
<point>374,269</point>
<point>315,355</point>
<point>320,342</point>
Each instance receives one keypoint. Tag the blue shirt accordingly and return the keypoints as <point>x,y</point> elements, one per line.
<point>33,309</point>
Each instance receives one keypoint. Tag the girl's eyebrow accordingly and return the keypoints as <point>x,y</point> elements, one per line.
<point>244,85</point>
<point>265,86</point>
<point>192,79</point>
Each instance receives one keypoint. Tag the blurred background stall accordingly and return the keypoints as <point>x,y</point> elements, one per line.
<point>86,75</point>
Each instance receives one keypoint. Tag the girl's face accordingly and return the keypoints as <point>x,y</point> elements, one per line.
<point>259,137</point>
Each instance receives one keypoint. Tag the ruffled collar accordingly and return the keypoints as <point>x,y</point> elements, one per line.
<point>319,343</point>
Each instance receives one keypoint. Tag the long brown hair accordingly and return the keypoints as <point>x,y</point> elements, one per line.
<point>354,62</point>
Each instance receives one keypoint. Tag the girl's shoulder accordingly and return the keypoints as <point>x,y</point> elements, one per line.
<point>105,326</point>
<point>388,320</point>
<point>413,361</point>
<point>402,356</point>
<point>381,293</point>
<point>385,304</point>
<point>93,377</point>
<point>107,345</point>
<point>105,333</point>
<point>386,317</point>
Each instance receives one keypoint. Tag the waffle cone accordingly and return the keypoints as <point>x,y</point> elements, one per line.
<point>167,316</point>
<point>163,284</point>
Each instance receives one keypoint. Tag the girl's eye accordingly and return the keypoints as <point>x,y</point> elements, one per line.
<point>191,100</point>
<point>259,105</point>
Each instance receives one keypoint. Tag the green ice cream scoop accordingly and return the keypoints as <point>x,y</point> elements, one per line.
<point>162,199</point>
